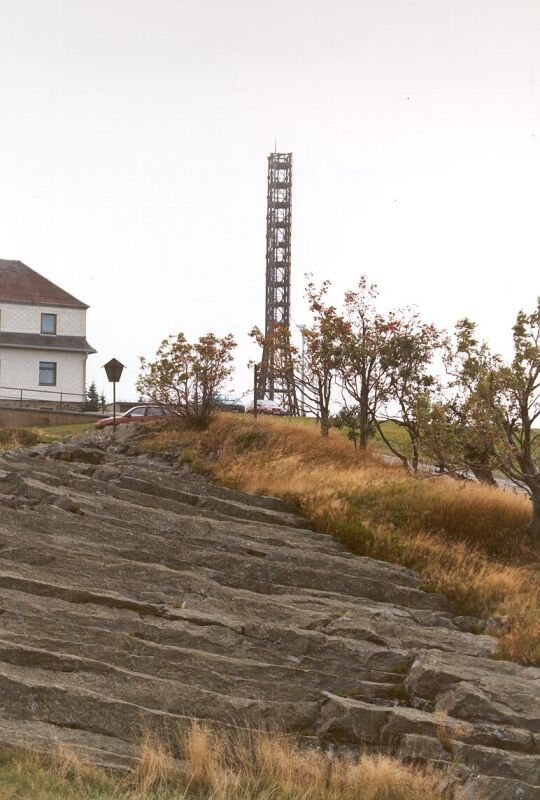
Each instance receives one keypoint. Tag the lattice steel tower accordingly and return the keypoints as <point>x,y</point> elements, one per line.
<point>278,272</point>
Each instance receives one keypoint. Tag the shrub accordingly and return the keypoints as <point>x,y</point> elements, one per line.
<point>185,377</point>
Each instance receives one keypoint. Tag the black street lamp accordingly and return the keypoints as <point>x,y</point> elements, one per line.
<point>114,370</point>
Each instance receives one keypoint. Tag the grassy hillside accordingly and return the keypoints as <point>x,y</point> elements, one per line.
<point>244,766</point>
<point>467,540</point>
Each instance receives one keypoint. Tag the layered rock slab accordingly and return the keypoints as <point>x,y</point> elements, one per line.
<point>135,595</point>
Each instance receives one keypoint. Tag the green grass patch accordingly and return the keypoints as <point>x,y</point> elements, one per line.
<point>61,433</point>
<point>11,438</point>
<point>33,777</point>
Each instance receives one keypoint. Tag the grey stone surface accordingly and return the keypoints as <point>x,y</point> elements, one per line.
<point>135,595</point>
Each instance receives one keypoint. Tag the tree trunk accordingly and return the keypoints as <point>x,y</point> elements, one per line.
<point>479,462</point>
<point>415,457</point>
<point>483,474</point>
<point>325,425</point>
<point>535,519</point>
<point>363,421</point>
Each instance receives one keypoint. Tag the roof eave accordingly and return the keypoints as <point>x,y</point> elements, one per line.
<point>80,306</point>
<point>44,346</point>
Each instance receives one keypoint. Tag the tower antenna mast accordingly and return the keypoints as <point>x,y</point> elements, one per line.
<point>276,379</point>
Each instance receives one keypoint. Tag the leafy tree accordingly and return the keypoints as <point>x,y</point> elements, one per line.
<point>488,420</point>
<point>184,377</point>
<point>460,434</point>
<point>310,375</point>
<point>92,398</point>
<point>323,355</point>
<point>408,383</point>
<point>513,399</point>
<point>361,373</point>
<point>102,401</point>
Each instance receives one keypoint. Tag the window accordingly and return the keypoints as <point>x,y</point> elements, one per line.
<point>138,411</point>
<point>47,373</point>
<point>48,323</point>
<point>154,411</point>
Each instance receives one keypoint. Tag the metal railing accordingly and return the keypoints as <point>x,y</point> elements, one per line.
<point>21,396</point>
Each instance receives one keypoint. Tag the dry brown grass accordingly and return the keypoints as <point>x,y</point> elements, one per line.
<point>68,763</point>
<point>262,764</point>
<point>467,540</point>
<point>17,437</point>
<point>156,767</point>
<point>217,764</point>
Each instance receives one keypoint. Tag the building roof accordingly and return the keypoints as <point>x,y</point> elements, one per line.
<point>39,341</point>
<point>20,284</point>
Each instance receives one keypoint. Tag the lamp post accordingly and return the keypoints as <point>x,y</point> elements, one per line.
<point>114,370</point>
<point>302,329</point>
<point>255,388</point>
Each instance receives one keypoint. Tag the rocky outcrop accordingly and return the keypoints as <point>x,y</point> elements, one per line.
<point>135,595</point>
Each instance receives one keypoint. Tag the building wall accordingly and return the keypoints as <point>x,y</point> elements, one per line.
<point>23,418</point>
<point>20,368</point>
<point>18,318</point>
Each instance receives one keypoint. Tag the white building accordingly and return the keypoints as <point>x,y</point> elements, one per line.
<point>43,347</point>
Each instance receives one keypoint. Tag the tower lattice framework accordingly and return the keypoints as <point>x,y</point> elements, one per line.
<point>275,378</point>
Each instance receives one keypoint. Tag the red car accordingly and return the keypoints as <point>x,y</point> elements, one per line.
<point>267,407</point>
<point>136,414</point>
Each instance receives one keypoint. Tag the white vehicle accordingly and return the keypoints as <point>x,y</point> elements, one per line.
<point>266,407</point>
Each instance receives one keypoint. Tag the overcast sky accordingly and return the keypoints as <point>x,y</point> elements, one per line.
<point>134,137</point>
